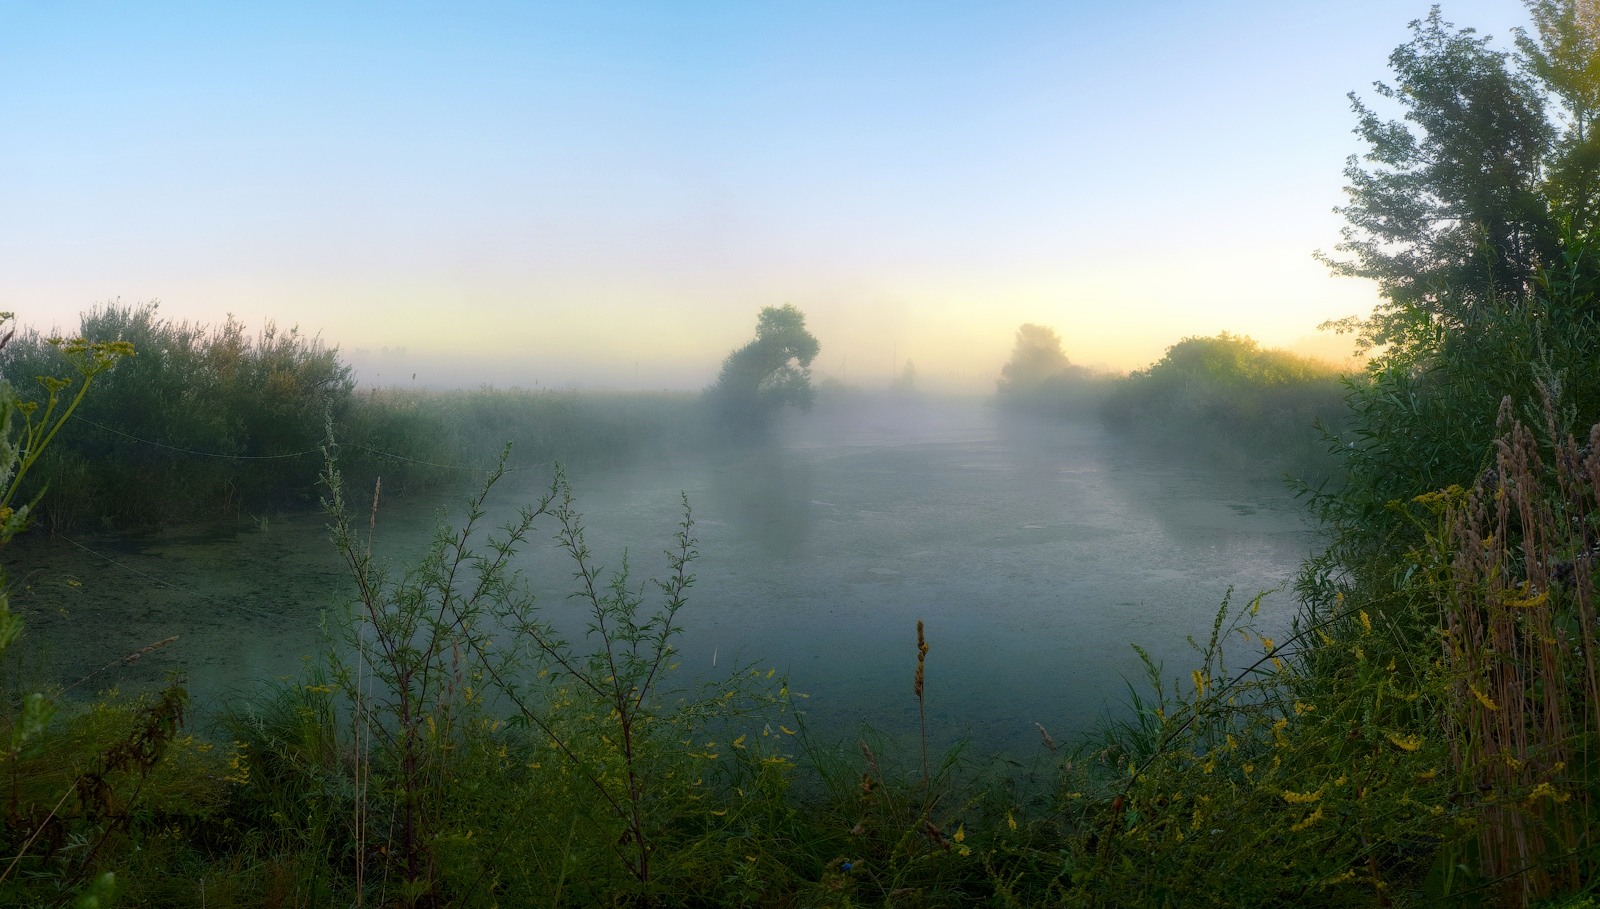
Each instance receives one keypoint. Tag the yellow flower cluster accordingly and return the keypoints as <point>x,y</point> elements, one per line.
<point>1406,742</point>
<point>1310,819</point>
<point>1301,798</point>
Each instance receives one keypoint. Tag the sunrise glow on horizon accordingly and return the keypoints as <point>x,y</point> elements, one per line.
<point>604,195</point>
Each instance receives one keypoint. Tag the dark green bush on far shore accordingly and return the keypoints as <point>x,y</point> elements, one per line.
<point>1228,398</point>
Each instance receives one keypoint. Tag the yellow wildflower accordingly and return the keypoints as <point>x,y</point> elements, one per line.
<point>1545,790</point>
<point>1311,818</point>
<point>1487,702</point>
<point>1406,742</point>
<point>1301,798</point>
<point>1339,879</point>
<point>1528,602</point>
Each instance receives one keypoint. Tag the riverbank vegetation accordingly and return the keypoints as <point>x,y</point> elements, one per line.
<point>210,422</point>
<point>1426,735</point>
<point>1227,399</point>
<point>1222,399</point>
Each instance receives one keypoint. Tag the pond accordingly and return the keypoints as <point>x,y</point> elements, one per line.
<point>1035,553</point>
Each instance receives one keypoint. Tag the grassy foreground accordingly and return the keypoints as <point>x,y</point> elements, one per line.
<point>420,766</point>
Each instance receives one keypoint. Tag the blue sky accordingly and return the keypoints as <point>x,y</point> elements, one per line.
<point>606,193</point>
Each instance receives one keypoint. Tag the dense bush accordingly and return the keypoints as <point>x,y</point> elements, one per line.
<point>199,422</point>
<point>1228,398</point>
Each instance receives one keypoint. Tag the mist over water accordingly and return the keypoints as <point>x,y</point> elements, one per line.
<point>1035,553</point>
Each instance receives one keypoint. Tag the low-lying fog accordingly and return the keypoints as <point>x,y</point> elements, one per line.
<point>1034,553</point>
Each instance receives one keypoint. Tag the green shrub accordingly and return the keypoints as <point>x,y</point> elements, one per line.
<point>203,422</point>
<point>1230,399</point>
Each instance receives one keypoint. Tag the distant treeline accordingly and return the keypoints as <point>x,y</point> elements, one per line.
<point>207,421</point>
<point>1223,398</point>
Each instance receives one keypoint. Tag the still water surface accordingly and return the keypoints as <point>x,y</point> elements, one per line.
<point>1035,554</point>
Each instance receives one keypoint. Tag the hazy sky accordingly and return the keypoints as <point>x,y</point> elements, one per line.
<point>607,193</point>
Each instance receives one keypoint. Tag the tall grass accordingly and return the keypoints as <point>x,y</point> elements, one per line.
<point>425,440</point>
<point>202,421</point>
<point>1522,642</point>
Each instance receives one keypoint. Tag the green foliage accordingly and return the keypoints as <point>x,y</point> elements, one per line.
<point>204,421</point>
<point>96,789</point>
<point>1562,56</point>
<point>420,644</point>
<point>486,758</point>
<point>1230,399</point>
<point>770,372</point>
<point>1454,525</point>
<point>1425,418</point>
<point>81,785</point>
<point>1449,218</point>
<point>1278,782</point>
<point>1478,223</point>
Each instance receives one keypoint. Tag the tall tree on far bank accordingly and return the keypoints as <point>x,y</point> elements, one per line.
<point>1036,358</point>
<point>1039,376</point>
<point>770,372</point>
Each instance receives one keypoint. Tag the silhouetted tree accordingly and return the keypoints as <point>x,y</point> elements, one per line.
<point>1460,208</point>
<point>770,372</point>
<point>1036,358</point>
<point>1039,377</point>
<point>906,382</point>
